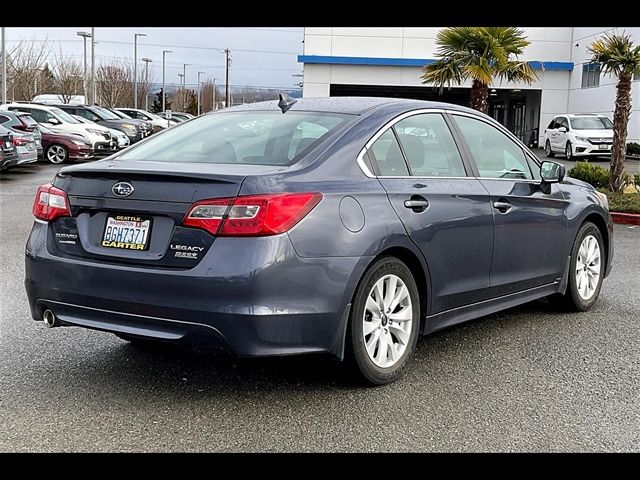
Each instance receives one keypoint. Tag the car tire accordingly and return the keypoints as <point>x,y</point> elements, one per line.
<point>547,150</point>
<point>568,151</point>
<point>574,299</point>
<point>56,153</point>
<point>379,343</point>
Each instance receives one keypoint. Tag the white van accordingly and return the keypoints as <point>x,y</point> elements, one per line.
<point>52,99</point>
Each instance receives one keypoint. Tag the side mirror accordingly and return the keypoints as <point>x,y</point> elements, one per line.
<point>53,121</point>
<point>562,129</point>
<point>552,172</point>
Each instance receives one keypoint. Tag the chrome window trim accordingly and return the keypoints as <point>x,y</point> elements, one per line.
<point>392,122</point>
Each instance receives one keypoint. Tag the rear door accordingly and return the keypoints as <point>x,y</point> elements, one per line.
<point>530,224</point>
<point>445,212</point>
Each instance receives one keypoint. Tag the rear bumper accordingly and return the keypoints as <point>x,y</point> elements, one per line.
<point>252,296</point>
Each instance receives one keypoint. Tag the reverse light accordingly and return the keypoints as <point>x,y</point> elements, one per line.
<point>50,203</point>
<point>251,215</point>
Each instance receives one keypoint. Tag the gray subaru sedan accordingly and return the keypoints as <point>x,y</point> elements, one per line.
<point>347,226</point>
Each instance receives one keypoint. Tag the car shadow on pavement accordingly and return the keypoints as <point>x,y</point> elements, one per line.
<point>176,370</point>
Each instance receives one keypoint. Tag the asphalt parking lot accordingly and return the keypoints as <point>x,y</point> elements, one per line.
<point>527,379</point>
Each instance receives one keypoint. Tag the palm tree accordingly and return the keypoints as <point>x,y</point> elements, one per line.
<point>481,54</point>
<point>617,55</point>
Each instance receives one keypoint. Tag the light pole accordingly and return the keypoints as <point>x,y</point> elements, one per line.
<point>199,88</point>
<point>181,75</point>
<point>164,52</point>
<point>93,65</point>
<point>146,61</point>
<point>184,86</point>
<point>214,107</point>
<point>84,36</point>
<point>135,67</point>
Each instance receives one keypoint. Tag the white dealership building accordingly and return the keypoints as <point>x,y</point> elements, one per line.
<point>388,62</point>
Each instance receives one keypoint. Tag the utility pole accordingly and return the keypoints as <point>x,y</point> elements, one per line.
<point>93,65</point>
<point>164,52</point>
<point>4,69</point>
<point>84,36</point>
<point>135,67</point>
<point>199,92</point>
<point>181,75</point>
<point>226,92</point>
<point>146,61</point>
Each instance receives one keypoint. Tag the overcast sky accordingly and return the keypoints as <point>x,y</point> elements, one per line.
<point>261,57</point>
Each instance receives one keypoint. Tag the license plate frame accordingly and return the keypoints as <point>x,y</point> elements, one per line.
<point>603,146</point>
<point>146,223</point>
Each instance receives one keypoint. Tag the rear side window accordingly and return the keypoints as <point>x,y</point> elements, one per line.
<point>495,154</point>
<point>386,153</point>
<point>245,137</point>
<point>429,146</point>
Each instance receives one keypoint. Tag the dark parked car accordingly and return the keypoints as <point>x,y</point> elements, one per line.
<point>348,226</point>
<point>105,118</point>
<point>147,128</point>
<point>8,152</point>
<point>22,123</point>
<point>62,147</point>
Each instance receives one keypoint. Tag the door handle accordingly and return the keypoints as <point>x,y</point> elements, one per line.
<point>502,207</point>
<point>417,203</point>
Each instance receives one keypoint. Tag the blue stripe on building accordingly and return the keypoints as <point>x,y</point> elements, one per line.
<point>409,62</point>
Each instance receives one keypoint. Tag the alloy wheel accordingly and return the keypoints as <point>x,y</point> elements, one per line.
<point>588,267</point>
<point>56,154</point>
<point>387,321</point>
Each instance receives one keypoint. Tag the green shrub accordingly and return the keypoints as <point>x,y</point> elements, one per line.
<point>623,202</point>
<point>590,173</point>
<point>597,176</point>
<point>636,182</point>
<point>633,148</point>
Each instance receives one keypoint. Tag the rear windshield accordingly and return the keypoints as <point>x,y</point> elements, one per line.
<point>591,123</point>
<point>258,138</point>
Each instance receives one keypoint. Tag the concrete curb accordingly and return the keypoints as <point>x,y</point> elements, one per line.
<point>626,218</point>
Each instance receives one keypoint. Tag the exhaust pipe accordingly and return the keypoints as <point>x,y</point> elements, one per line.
<point>50,319</point>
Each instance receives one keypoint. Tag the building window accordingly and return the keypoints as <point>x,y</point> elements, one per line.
<point>636,76</point>
<point>590,75</point>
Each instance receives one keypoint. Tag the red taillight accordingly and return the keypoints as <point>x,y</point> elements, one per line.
<point>252,215</point>
<point>19,142</point>
<point>50,203</point>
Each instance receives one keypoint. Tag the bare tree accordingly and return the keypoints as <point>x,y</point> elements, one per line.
<point>207,96</point>
<point>144,86</point>
<point>27,69</point>
<point>115,84</point>
<point>67,77</point>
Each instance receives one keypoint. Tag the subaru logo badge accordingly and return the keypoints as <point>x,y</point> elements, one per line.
<point>122,189</point>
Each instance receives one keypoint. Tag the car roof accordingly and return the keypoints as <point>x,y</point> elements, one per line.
<point>348,105</point>
<point>30,105</point>
<point>574,115</point>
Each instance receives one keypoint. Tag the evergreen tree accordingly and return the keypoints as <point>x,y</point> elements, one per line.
<point>156,107</point>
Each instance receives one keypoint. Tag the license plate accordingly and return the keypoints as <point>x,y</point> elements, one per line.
<point>7,144</point>
<point>127,232</point>
<point>603,146</point>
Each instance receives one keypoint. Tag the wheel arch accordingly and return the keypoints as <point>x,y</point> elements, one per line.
<point>601,224</point>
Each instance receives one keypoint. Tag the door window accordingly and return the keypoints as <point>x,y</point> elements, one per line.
<point>429,146</point>
<point>386,153</point>
<point>562,122</point>
<point>495,154</point>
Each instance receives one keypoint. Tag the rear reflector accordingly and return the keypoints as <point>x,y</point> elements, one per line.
<point>50,203</point>
<point>253,215</point>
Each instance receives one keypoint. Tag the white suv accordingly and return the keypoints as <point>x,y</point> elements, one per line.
<point>59,121</point>
<point>579,134</point>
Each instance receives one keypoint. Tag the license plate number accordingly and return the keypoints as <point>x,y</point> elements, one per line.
<point>127,232</point>
<point>603,146</point>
